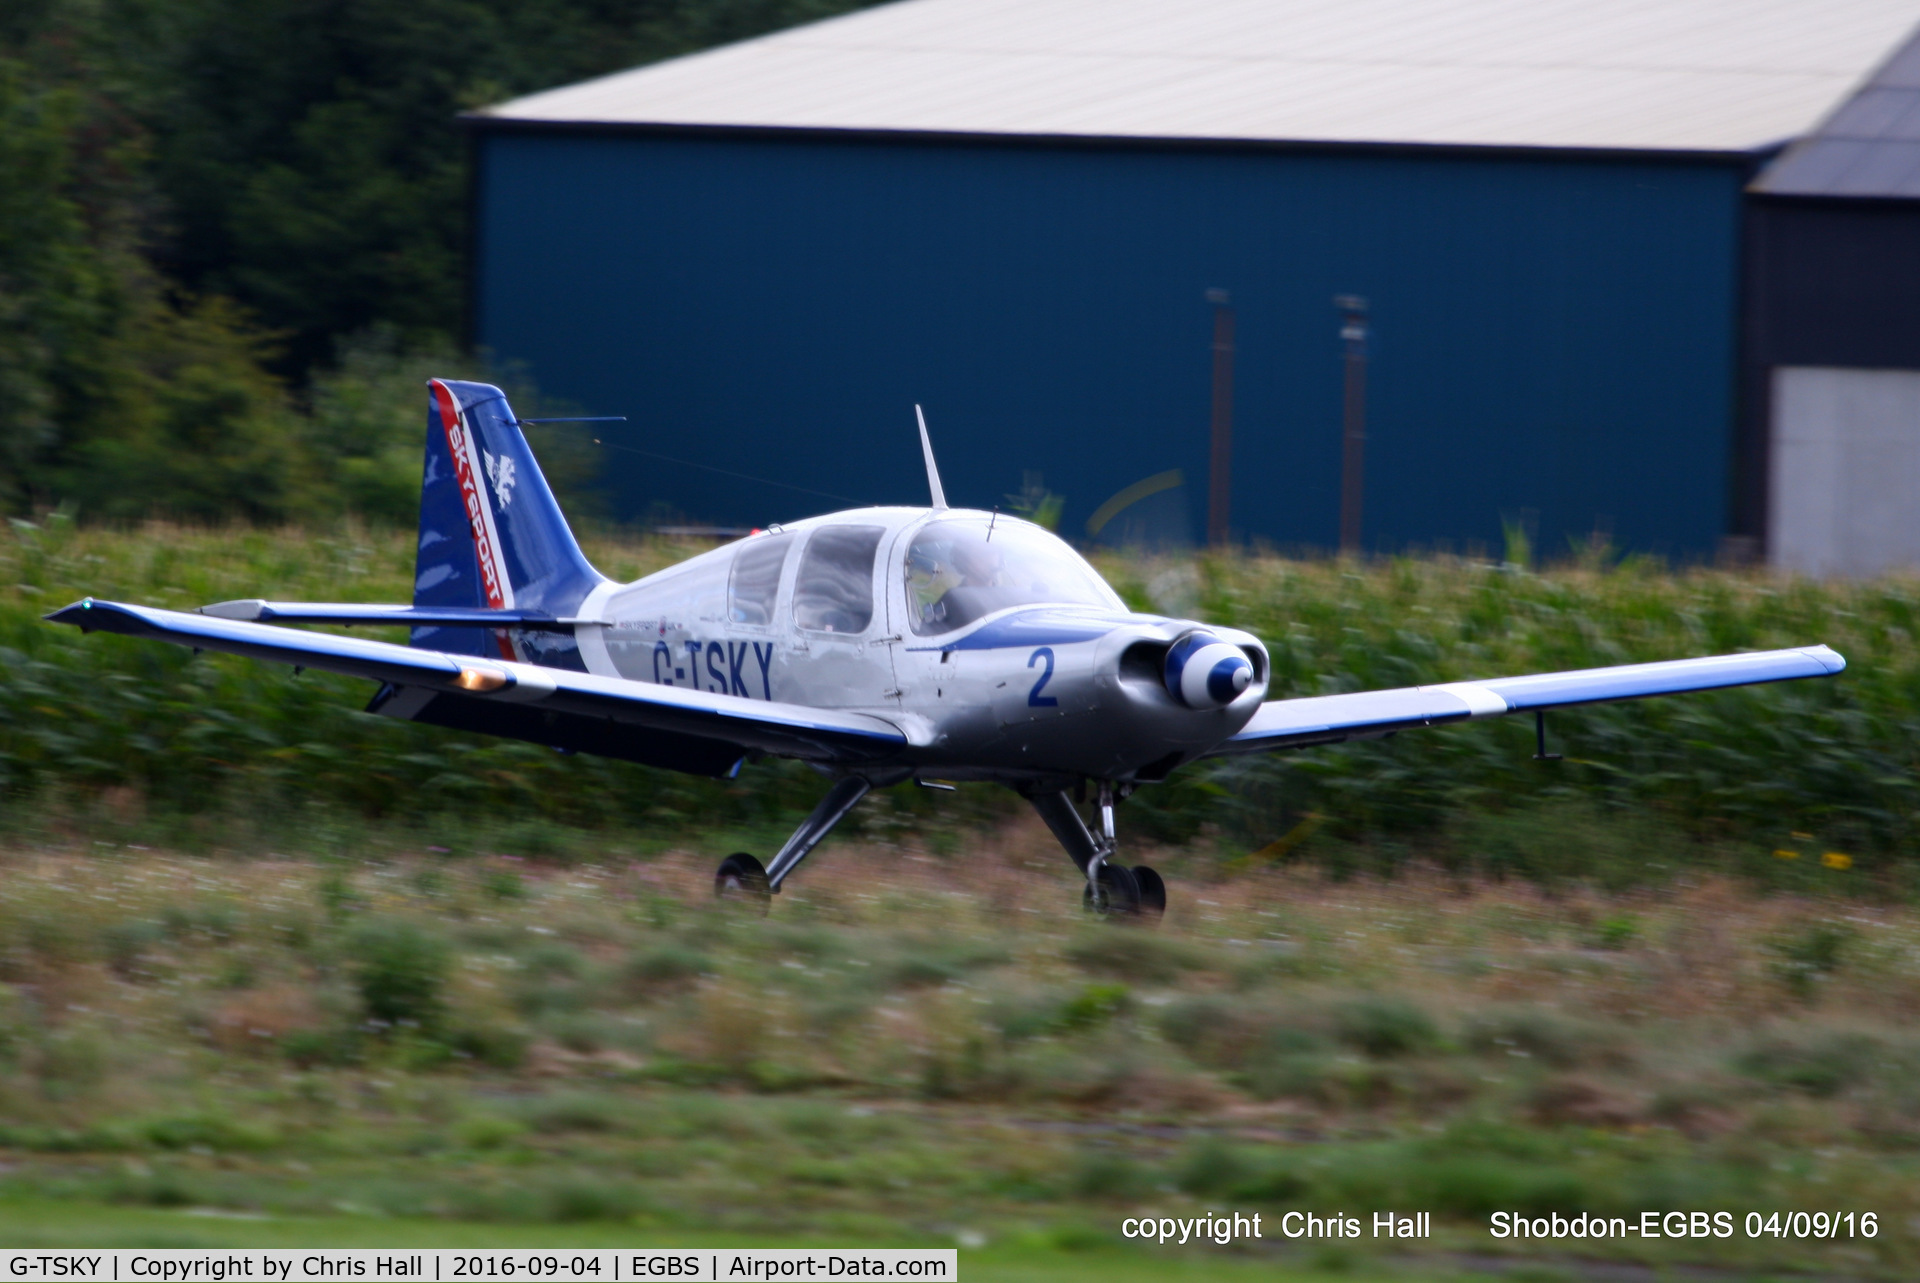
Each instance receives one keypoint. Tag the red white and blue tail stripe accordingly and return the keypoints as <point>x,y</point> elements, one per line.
<point>491,534</point>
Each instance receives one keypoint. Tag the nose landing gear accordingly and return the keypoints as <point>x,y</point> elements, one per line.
<point>1113,890</point>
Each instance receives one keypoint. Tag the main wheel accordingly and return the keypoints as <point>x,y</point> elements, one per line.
<point>1153,892</point>
<point>743,879</point>
<point>1119,893</point>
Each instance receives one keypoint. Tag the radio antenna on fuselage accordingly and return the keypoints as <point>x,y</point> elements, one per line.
<point>933,473</point>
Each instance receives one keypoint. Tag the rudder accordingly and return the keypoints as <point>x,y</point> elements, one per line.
<point>491,533</point>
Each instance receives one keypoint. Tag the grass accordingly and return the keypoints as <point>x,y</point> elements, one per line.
<point>925,1049</point>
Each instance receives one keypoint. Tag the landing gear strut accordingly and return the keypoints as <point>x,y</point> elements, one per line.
<point>741,877</point>
<point>1113,890</point>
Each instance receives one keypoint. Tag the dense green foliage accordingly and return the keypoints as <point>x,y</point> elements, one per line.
<point>210,206</point>
<point>97,727</point>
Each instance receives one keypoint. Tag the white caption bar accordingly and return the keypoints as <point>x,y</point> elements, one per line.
<point>480,1265</point>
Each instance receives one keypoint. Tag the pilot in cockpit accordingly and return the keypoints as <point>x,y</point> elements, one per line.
<point>953,580</point>
<point>961,570</point>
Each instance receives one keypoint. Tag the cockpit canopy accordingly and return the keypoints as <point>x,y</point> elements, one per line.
<point>962,568</point>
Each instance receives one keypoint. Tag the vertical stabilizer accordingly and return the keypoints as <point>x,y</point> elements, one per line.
<point>491,533</point>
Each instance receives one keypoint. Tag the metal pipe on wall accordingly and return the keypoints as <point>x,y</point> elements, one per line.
<point>1220,478</point>
<point>1353,456</point>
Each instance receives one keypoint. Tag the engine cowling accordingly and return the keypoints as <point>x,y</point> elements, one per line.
<point>1204,672</point>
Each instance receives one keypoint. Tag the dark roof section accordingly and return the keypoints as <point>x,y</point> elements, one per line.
<point>1869,147</point>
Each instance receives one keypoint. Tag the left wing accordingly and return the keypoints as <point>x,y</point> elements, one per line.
<point>1329,719</point>
<point>678,727</point>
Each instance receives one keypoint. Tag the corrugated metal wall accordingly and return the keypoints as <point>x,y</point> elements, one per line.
<point>1554,336</point>
<point>1830,283</point>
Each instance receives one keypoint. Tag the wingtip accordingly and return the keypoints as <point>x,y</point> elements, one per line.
<point>1828,658</point>
<point>90,615</point>
<point>72,614</point>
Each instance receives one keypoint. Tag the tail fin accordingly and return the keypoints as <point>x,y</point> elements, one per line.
<point>491,534</point>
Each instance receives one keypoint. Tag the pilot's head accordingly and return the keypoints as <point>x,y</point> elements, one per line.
<point>979,564</point>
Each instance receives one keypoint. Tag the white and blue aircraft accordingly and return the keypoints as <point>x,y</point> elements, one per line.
<point>879,645</point>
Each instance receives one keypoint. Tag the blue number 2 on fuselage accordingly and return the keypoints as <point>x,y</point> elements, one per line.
<point>1034,698</point>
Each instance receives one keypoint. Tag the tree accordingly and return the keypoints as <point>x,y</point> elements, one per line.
<point>208,207</point>
<point>310,150</point>
<point>58,295</point>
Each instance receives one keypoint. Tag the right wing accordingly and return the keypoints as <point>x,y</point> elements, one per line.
<point>676,727</point>
<point>1329,719</point>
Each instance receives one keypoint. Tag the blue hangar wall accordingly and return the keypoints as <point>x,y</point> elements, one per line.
<point>1552,336</point>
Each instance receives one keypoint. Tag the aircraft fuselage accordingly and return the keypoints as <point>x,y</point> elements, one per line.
<point>988,678</point>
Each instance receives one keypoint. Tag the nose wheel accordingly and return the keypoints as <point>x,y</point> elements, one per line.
<point>1153,892</point>
<point>1112,889</point>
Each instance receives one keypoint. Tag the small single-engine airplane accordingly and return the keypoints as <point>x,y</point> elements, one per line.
<point>879,645</point>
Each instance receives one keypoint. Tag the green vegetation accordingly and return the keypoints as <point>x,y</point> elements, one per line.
<point>216,212</point>
<point>915,1048</point>
<point>1810,785</point>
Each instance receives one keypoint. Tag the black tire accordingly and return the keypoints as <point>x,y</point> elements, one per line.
<point>1153,892</point>
<point>1119,894</point>
<point>743,880</point>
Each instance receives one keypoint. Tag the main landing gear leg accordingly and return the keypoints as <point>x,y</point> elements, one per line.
<point>1113,890</point>
<point>741,876</point>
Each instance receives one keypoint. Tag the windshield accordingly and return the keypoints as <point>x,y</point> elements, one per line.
<point>963,568</point>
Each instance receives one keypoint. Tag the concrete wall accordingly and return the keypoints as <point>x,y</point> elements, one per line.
<point>1553,337</point>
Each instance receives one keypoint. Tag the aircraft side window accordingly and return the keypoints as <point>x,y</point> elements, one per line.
<point>755,581</point>
<point>834,591</point>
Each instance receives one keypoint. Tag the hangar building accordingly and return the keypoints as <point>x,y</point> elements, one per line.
<point>1831,378</point>
<point>1603,297</point>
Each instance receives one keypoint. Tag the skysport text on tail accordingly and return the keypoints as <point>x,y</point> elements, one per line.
<point>882,645</point>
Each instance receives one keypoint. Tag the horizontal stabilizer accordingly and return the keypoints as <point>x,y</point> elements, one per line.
<point>786,730</point>
<point>1329,719</point>
<point>253,610</point>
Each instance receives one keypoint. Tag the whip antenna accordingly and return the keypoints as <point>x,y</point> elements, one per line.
<point>933,473</point>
